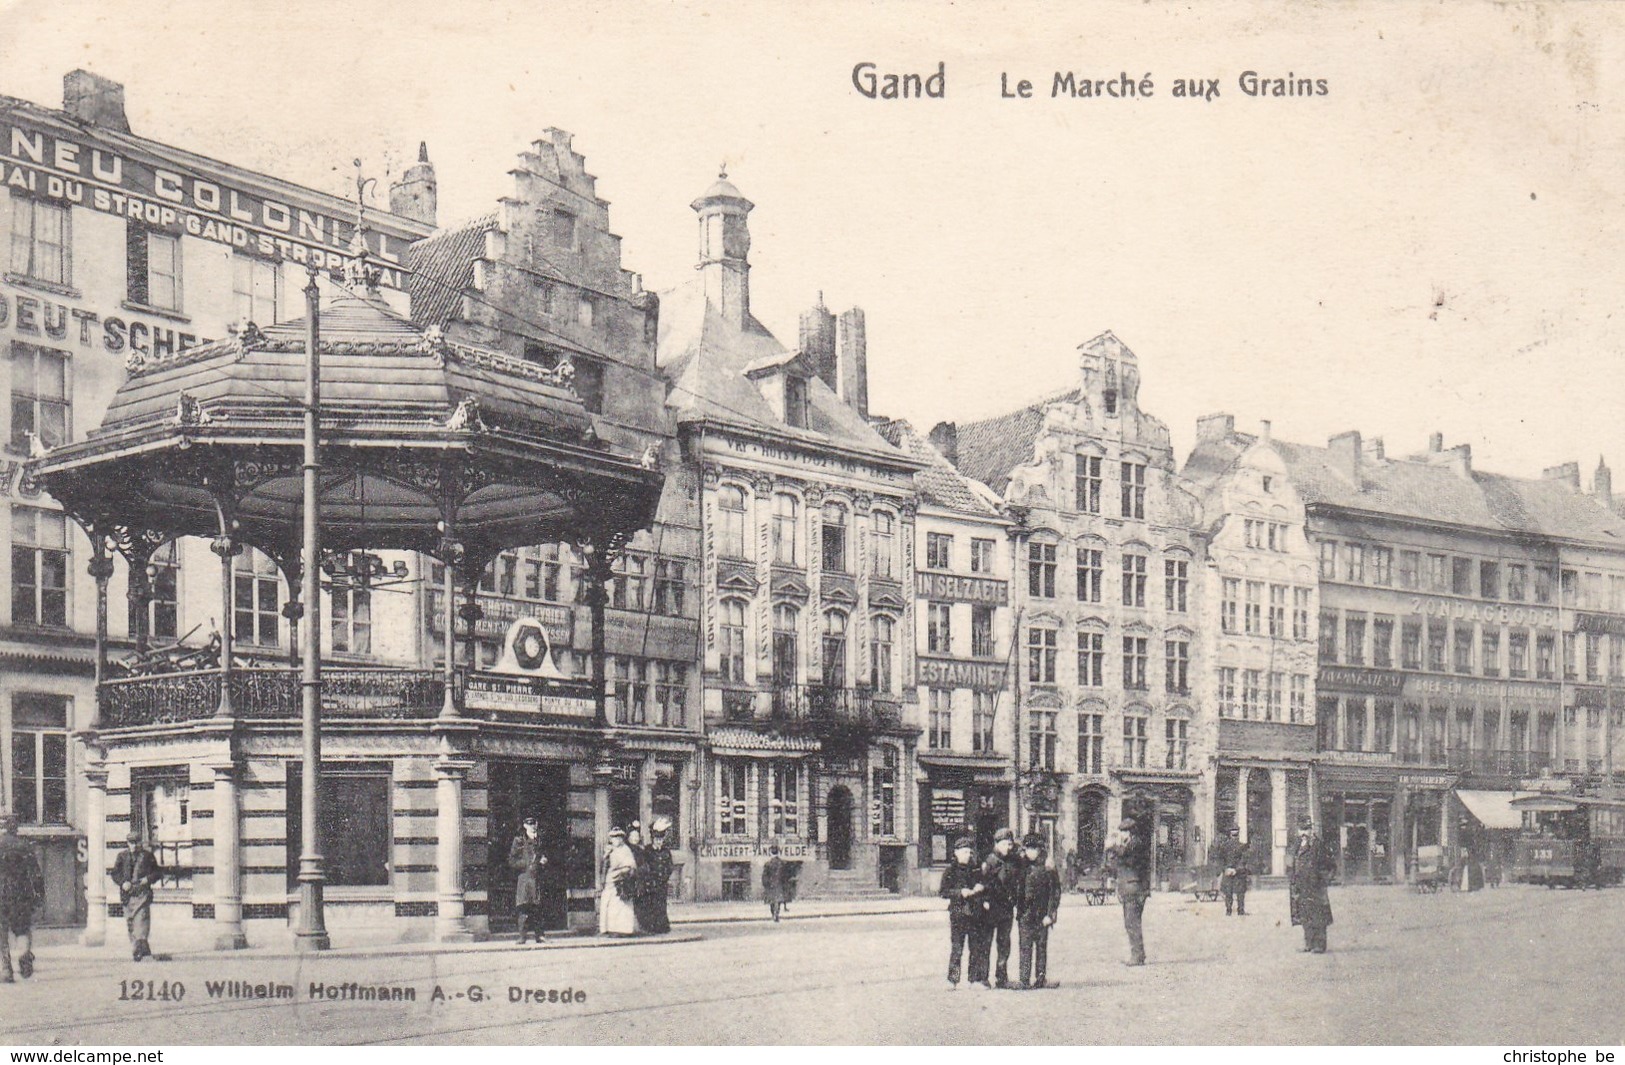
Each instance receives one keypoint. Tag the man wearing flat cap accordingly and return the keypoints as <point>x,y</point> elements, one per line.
<point>1003,868</point>
<point>1309,870</point>
<point>1038,903</point>
<point>965,888</point>
<point>135,870</point>
<point>1133,883</point>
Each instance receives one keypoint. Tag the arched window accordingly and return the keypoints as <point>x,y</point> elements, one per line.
<point>834,539</point>
<point>732,644</point>
<point>885,529</point>
<point>786,529</point>
<point>882,635</point>
<point>835,649</point>
<point>786,623</point>
<point>731,539</point>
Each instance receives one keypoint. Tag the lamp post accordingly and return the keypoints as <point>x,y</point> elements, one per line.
<point>311,933</point>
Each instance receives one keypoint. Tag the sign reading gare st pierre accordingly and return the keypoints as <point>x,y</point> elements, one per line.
<point>39,162</point>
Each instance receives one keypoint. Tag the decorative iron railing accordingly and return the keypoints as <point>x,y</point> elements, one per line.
<point>258,694</point>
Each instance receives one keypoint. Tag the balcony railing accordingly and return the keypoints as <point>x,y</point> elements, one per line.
<point>368,693</point>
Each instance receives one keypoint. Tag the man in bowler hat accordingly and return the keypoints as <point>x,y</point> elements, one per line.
<point>1133,884</point>
<point>1038,903</point>
<point>965,888</point>
<point>1309,871</point>
<point>1003,871</point>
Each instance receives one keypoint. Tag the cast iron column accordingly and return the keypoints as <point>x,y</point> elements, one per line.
<point>227,548</point>
<point>101,568</point>
<point>598,575</point>
<point>451,554</point>
<point>311,933</point>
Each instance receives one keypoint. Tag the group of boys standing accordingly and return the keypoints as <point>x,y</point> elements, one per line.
<point>986,898</point>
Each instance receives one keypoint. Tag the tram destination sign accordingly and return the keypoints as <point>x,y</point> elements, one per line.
<point>525,695</point>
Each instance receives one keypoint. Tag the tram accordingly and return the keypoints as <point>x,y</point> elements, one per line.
<point>1570,841</point>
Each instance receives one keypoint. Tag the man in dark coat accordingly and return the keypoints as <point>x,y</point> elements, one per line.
<point>775,886</point>
<point>1003,870</point>
<point>1133,884</point>
<point>526,859</point>
<point>1309,870</point>
<point>1235,864</point>
<point>655,870</point>
<point>965,888</point>
<point>135,871</point>
<point>1038,903</point>
<point>21,889</point>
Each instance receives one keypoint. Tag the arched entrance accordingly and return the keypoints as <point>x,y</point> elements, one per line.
<point>839,809</point>
<point>1091,830</point>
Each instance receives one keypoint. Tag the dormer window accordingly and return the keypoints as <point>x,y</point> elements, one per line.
<point>1268,483</point>
<point>795,401</point>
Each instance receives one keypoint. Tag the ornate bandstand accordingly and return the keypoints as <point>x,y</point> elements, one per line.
<point>428,446</point>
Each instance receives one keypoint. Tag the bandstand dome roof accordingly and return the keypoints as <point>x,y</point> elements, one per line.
<point>415,429</point>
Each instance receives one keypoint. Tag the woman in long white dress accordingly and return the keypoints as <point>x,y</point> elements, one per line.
<point>615,914</point>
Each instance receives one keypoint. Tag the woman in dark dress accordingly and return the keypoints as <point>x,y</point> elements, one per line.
<point>654,871</point>
<point>525,858</point>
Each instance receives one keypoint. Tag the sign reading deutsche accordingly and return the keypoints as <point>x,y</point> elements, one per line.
<point>952,588</point>
<point>953,673</point>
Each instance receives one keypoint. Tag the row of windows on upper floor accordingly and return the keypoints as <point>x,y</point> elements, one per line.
<point>1089,486</point>
<point>1093,755</point>
<point>1244,609</point>
<point>1043,567</point>
<point>835,541</point>
<point>1448,574</point>
<point>1043,656</point>
<point>789,660</point>
<point>1440,645</point>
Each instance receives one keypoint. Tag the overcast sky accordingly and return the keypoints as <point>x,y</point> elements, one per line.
<point>1434,244</point>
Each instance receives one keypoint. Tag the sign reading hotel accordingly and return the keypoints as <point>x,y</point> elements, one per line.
<point>956,673</point>
<point>1466,610</point>
<point>951,588</point>
<point>81,173</point>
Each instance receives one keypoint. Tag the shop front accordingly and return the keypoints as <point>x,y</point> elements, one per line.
<point>1167,802</point>
<point>960,795</point>
<point>1358,810</point>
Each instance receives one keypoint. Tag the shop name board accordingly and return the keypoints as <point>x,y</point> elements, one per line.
<point>954,673</point>
<point>1355,679</point>
<point>955,589</point>
<point>525,695</point>
<point>624,773</point>
<point>67,324</point>
<point>789,851</point>
<point>39,163</point>
<point>947,806</point>
<point>1483,689</point>
<point>1494,613</point>
<point>1427,780</point>
<point>811,457</point>
<point>1612,624</point>
<point>1593,697</point>
<point>496,614</point>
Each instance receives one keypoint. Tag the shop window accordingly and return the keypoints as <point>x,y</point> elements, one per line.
<point>735,881</point>
<point>39,567</point>
<point>733,806</point>
<point>884,780</point>
<point>40,397</point>
<point>41,241</point>
<point>160,806</point>
<point>784,805</point>
<point>39,757</point>
<point>665,800</point>
<point>355,834</point>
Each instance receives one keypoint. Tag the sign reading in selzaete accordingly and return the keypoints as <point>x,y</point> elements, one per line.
<point>952,588</point>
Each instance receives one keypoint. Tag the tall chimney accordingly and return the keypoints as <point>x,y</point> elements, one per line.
<point>944,437</point>
<point>818,341</point>
<point>1435,442</point>
<point>415,196</point>
<point>1602,484</point>
<point>1345,455</point>
<point>1214,426</point>
<point>1374,448</point>
<point>94,99</point>
<point>852,360</point>
<point>725,249</point>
